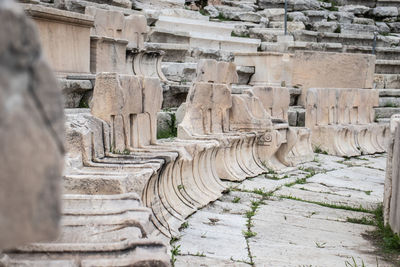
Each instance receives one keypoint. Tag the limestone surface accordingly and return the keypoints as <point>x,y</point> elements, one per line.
<point>31,134</point>
<point>293,225</point>
<point>391,210</point>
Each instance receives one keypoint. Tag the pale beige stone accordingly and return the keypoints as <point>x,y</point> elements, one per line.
<point>145,63</point>
<point>117,45</point>
<point>105,227</point>
<point>107,23</point>
<point>129,105</point>
<point>244,153</point>
<point>275,100</point>
<point>31,134</point>
<point>113,24</point>
<point>391,193</point>
<point>310,69</point>
<point>342,121</point>
<point>135,30</point>
<point>248,113</point>
<point>65,37</point>
<point>271,68</point>
<point>332,70</point>
<point>107,55</point>
<point>185,172</point>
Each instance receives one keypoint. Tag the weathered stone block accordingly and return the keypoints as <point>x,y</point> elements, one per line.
<point>31,133</point>
<point>332,70</point>
<point>342,121</point>
<point>107,55</point>
<point>65,37</point>
<point>270,68</point>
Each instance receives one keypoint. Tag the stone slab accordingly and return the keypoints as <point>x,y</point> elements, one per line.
<point>65,37</point>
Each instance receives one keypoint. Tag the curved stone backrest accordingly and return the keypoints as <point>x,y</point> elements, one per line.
<point>129,104</point>
<point>113,24</point>
<point>152,103</point>
<point>347,106</point>
<point>86,138</point>
<point>321,107</point>
<point>368,100</point>
<point>274,99</point>
<point>327,106</point>
<point>107,23</point>
<point>212,71</point>
<point>248,113</point>
<point>207,106</point>
<point>135,30</point>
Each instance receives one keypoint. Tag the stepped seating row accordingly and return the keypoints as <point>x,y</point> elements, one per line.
<point>114,160</point>
<point>308,69</point>
<point>342,121</point>
<point>106,40</point>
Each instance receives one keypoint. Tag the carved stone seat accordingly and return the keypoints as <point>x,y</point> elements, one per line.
<point>342,121</point>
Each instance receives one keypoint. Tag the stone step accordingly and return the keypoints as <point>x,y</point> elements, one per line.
<point>183,13</point>
<point>194,26</point>
<point>387,66</point>
<point>383,120</point>
<point>294,92</point>
<point>179,72</point>
<point>392,102</point>
<point>389,93</point>
<point>369,3</point>
<point>385,53</point>
<point>345,39</point>
<point>174,52</point>
<point>395,3</point>
<point>186,72</point>
<point>79,6</point>
<point>231,44</point>
<point>266,34</point>
<point>205,41</point>
<point>292,5</point>
<point>387,81</point>
<point>386,112</point>
<point>106,181</point>
<point>159,35</point>
<point>299,45</point>
<point>98,230</point>
<point>348,28</point>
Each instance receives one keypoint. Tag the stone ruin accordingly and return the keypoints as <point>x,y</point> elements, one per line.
<point>32,133</point>
<point>391,194</point>
<point>125,192</point>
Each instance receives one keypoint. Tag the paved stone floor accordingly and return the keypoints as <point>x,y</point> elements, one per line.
<point>294,218</point>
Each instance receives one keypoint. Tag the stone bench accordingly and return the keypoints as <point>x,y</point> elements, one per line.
<point>104,41</point>
<point>117,44</point>
<point>98,231</point>
<point>260,110</point>
<point>307,69</point>
<point>342,121</point>
<point>172,177</point>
